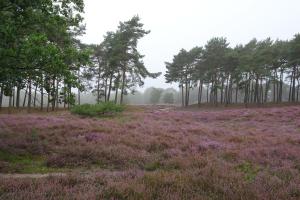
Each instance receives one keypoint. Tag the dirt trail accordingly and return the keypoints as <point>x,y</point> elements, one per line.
<point>35,176</point>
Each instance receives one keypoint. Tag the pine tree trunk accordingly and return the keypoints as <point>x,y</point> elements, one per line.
<point>207,94</point>
<point>53,94</point>
<point>42,94</point>
<point>48,102</point>
<point>200,93</point>
<point>290,91</point>
<point>98,90</point>
<point>79,95</point>
<point>123,86</point>
<point>13,97</point>
<point>110,86</point>
<point>25,96</point>
<point>18,96</point>
<point>294,85</point>
<point>236,94</point>
<point>1,96</point>
<point>57,94</point>
<point>29,95</point>
<point>34,100</point>
<point>116,96</point>
<point>182,95</point>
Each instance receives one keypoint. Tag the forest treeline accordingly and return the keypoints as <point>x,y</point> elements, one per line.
<point>42,57</point>
<point>257,72</point>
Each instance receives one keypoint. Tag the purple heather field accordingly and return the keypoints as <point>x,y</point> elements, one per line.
<point>151,153</point>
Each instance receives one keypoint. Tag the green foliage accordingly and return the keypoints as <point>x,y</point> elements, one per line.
<point>23,163</point>
<point>100,109</point>
<point>249,170</point>
<point>152,166</point>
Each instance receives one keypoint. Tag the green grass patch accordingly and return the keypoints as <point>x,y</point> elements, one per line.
<point>249,170</point>
<point>11,163</point>
<point>94,110</point>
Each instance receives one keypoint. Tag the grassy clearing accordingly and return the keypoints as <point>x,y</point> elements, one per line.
<point>28,164</point>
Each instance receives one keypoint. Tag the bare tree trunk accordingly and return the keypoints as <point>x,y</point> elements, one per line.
<point>79,95</point>
<point>105,91</point>
<point>34,100</point>
<point>186,94</point>
<point>123,86</point>
<point>298,87</point>
<point>42,94</point>
<point>29,95</point>
<point>222,91</point>
<point>57,94</point>
<point>48,102</point>
<point>207,93</point>
<point>294,85</point>
<point>13,97</point>
<point>267,91</point>
<point>1,96</point>
<point>110,86</point>
<point>98,90</point>
<point>290,91</point>
<point>53,94</point>
<point>18,96</point>
<point>236,93</point>
<point>116,96</point>
<point>200,93</point>
<point>182,95</point>
<point>25,96</point>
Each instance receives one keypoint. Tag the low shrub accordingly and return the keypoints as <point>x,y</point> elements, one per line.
<point>100,109</point>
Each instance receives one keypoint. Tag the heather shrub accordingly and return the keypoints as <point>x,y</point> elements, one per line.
<point>100,109</point>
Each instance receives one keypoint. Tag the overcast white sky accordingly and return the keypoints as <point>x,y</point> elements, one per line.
<point>177,24</point>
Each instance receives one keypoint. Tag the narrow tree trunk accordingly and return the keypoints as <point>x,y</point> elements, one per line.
<point>109,87</point>
<point>98,90</point>
<point>34,100</point>
<point>29,95</point>
<point>290,91</point>
<point>186,94</point>
<point>267,91</point>
<point>25,96</point>
<point>294,85</point>
<point>18,96</point>
<point>182,95</point>
<point>207,93</point>
<point>48,102</point>
<point>53,94</point>
<point>200,93</point>
<point>116,96</point>
<point>222,91</point>
<point>57,94</point>
<point>13,97</point>
<point>79,95</point>
<point>42,94</point>
<point>236,93</point>
<point>105,91</point>
<point>1,96</point>
<point>123,86</point>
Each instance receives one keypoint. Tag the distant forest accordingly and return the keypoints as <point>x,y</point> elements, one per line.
<point>257,72</point>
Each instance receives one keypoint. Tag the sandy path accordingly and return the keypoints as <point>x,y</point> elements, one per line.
<point>20,176</point>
